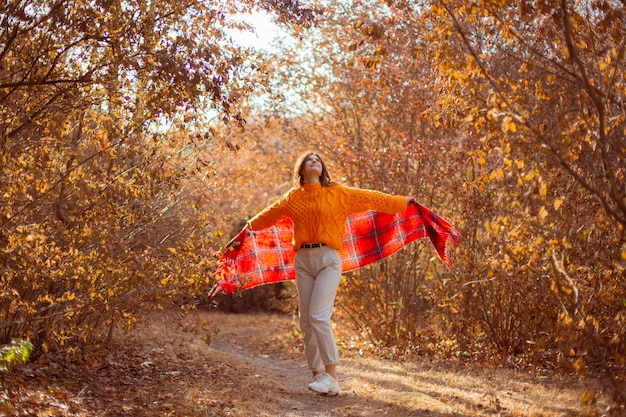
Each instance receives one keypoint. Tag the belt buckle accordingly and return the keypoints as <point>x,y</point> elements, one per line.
<point>312,245</point>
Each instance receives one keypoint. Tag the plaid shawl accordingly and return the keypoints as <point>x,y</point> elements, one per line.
<point>266,256</point>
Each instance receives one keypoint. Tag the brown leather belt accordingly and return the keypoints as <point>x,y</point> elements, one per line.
<point>312,245</point>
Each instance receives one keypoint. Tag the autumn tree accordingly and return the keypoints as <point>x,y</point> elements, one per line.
<point>111,113</point>
<point>550,81</point>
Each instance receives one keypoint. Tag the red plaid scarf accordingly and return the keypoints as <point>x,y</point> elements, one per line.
<point>266,256</point>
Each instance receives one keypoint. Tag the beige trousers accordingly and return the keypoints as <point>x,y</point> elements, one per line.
<point>318,272</point>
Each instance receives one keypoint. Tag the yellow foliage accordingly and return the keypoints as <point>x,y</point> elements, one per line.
<point>529,175</point>
<point>565,319</point>
<point>566,243</point>
<point>579,365</point>
<point>508,125</point>
<point>543,188</point>
<point>496,174</point>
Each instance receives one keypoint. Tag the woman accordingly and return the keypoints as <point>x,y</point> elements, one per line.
<point>318,209</point>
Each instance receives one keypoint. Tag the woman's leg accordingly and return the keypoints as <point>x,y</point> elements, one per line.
<point>305,282</point>
<point>321,305</point>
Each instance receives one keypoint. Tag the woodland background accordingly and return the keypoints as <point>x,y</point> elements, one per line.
<point>136,137</point>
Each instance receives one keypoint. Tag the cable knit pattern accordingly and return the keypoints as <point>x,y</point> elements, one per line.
<point>319,213</point>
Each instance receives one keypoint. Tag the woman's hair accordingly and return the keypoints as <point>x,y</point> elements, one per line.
<point>298,179</point>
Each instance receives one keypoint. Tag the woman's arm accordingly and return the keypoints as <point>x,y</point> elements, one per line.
<point>270,215</point>
<point>361,200</point>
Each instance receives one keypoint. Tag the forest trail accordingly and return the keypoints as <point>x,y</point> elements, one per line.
<point>254,366</point>
<point>265,347</point>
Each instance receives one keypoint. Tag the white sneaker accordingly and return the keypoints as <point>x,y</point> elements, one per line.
<point>325,384</point>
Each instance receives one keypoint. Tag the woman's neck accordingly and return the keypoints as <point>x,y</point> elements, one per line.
<point>311,180</point>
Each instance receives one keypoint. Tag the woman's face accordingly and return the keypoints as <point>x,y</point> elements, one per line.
<point>311,167</point>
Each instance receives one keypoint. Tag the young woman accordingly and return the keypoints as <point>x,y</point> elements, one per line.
<point>318,209</point>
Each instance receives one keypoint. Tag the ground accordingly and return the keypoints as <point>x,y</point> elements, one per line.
<point>217,364</point>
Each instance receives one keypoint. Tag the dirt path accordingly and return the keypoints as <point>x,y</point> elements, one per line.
<point>285,379</point>
<point>254,366</point>
<point>267,347</point>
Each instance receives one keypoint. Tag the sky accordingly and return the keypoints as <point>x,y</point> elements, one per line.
<point>266,32</point>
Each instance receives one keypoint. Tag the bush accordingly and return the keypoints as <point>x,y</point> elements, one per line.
<point>17,352</point>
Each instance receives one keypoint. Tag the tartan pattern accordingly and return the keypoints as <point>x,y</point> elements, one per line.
<point>266,256</point>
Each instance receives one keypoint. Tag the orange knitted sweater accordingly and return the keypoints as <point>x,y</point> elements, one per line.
<point>319,213</point>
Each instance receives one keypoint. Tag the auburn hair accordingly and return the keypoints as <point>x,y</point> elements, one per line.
<point>298,179</point>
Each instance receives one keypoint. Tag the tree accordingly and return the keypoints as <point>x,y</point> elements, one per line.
<point>548,80</point>
<point>105,176</point>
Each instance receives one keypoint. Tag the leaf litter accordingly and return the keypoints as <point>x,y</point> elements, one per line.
<point>254,366</point>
